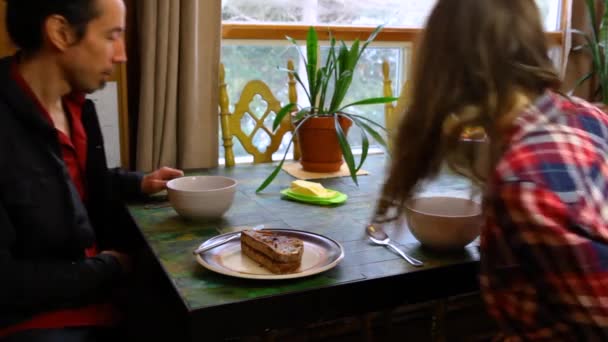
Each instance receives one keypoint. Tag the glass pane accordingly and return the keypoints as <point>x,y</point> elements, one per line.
<point>247,62</point>
<point>412,13</point>
<point>244,63</point>
<point>555,53</point>
<point>368,82</point>
<point>389,12</point>
<point>264,11</point>
<point>550,11</point>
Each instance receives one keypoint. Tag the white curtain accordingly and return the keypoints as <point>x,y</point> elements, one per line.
<point>178,115</point>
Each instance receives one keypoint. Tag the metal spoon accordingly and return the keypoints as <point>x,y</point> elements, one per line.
<point>379,237</point>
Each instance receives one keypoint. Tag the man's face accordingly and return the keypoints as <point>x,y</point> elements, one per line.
<point>89,63</point>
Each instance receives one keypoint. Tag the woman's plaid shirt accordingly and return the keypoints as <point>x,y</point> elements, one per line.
<point>544,250</point>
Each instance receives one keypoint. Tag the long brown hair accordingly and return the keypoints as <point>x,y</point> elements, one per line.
<point>473,58</point>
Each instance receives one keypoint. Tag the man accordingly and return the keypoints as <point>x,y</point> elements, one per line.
<point>64,233</point>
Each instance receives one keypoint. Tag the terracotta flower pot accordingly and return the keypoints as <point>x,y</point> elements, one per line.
<point>319,146</point>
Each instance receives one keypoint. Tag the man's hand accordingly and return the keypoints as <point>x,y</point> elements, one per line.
<point>123,259</point>
<point>157,180</point>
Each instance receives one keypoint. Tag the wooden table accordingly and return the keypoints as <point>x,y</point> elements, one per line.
<point>369,278</point>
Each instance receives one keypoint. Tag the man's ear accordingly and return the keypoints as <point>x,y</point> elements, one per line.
<point>58,32</point>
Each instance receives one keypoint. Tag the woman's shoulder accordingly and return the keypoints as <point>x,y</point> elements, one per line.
<point>556,121</point>
<point>556,134</point>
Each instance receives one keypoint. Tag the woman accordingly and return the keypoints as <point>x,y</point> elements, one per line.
<point>544,249</point>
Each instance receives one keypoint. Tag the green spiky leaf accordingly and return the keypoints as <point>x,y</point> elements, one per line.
<point>277,169</point>
<point>281,114</point>
<point>312,48</point>
<point>326,87</point>
<point>374,100</point>
<point>346,151</point>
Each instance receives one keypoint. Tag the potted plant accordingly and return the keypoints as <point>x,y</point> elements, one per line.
<point>596,43</point>
<point>326,86</point>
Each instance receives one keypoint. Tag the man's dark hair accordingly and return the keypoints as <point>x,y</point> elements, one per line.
<point>25,19</point>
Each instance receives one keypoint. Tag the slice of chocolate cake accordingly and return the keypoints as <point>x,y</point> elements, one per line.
<point>278,253</point>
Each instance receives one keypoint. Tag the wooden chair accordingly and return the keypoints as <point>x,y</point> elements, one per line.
<point>231,122</point>
<point>392,111</point>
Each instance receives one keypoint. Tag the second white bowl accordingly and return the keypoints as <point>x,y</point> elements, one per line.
<point>201,197</point>
<point>444,223</point>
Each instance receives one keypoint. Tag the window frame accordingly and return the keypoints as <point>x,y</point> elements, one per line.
<point>248,31</point>
<point>405,52</point>
<point>267,32</point>
<point>405,38</point>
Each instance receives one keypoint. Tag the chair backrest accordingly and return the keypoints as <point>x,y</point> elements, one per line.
<point>247,125</point>
<point>393,112</point>
<point>232,122</point>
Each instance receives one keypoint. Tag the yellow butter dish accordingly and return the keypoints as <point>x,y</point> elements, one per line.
<point>311,189</point>
<point>313,193</point>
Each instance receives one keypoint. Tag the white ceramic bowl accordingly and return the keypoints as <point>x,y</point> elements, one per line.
<point>444,223</point>
<point>201,197</point>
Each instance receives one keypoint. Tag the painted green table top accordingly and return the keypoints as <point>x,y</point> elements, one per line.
<point>173,239</point>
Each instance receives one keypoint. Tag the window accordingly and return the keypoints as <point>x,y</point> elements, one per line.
<point>395,13</point>
<point>550,11</point>
<point>246,61</point>
<point>254,44</point>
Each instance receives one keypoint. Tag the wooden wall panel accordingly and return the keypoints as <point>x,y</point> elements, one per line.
<point>6,46</point>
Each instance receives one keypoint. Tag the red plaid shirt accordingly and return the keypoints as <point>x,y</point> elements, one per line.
<point>544,250</point>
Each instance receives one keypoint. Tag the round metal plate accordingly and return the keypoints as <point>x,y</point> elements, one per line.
<point>320,254</point>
